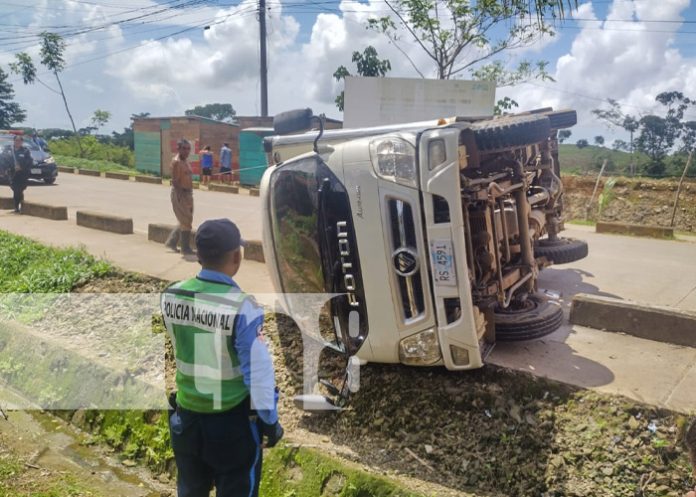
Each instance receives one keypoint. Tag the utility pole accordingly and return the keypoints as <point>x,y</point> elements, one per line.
<point>264,68</point>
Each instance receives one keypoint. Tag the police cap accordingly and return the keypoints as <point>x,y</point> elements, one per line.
<point>218,236</point>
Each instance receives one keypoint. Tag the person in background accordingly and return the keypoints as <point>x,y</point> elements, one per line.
<point>182,199</point>
<point>206,164</point>
<point>20,172</point>
<point>226,162</point>
<point>224,411</point>
<point>40,142</point>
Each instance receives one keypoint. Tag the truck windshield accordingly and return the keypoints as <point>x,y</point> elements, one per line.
<point>315,243</point>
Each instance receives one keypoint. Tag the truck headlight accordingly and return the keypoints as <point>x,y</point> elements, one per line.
<point>394,159</point>
<point>49,160</point>
<point>421,349</point>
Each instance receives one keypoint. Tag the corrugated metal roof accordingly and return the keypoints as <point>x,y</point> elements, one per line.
<point>194,117</point>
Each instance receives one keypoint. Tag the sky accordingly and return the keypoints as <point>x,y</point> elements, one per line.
<point>132,56</point>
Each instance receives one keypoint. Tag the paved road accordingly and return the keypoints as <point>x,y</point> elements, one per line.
<point>143,202</point>
<point>644,270</point>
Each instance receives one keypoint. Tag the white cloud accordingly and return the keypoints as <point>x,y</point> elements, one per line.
<point>629,62</point>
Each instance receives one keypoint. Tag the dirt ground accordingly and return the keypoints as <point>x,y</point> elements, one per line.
<point>636,201</point>
<point>489,432</point>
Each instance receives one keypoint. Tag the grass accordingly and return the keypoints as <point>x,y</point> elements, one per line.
<point>576,160</point>
<point>17,480</point>
<point>97,165</point>
<point>30,267</point>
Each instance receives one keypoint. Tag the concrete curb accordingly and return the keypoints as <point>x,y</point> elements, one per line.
<point>65,169</point>
<point>661,324</point>
<point>158,233</point>
<point>56,213</point>
<point>634,229</point>
<point>223,188</point>
<point>115,175</point>
<point>88,172</point>
<point>253,251</point>
<point>254,192</point>
<point>6,203</point>
<point>155,180</point>
<point>105,222</point>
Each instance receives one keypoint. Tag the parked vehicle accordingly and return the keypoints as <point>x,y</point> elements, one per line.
<point>44,168</point>
<point>433,233</point>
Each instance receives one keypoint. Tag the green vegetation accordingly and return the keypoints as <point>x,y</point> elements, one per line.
<point>99,165</point>
<point>296,472</point>
<point>93,149</point>
<point>28,266</point>
<point>575,160</point>
<point>18,480</point>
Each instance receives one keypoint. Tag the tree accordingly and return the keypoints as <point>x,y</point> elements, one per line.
<point>219,112</point>
<point>52,50</point>
<point>620,145</point>
<point>688,137</point>
<point>10,111</point>
<point>563,135</point>
<point>140,115</point>
<point>656,140</point>
<point>599,140</point>
<point>582,143</point>
<point>460,35</point>
<point>368,64</point>
<point>100,118</point>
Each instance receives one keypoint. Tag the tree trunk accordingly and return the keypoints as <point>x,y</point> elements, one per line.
<point>72,121</point>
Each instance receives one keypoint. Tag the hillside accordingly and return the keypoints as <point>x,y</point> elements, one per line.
<point>578,160</point>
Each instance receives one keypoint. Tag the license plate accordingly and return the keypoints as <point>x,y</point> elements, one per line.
<point>36,170</point>
<point>443,262</point>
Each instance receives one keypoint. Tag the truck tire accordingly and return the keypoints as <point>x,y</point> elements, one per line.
<point>536,317</point>
<point>561,119</point>
<point>510,132</point>
<point>562,250</point>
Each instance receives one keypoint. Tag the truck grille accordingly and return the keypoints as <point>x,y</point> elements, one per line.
<point>405,258</point>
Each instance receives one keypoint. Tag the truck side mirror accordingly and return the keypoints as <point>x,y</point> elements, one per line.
<point>293,121</point>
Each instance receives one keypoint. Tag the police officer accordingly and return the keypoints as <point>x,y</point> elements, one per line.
<point>225,409</point>
<point>20,172</point>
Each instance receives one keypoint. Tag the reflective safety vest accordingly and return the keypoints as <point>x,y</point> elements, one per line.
<point>200,317</point>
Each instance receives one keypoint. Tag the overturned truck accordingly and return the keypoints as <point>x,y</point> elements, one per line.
<point>432,233</point>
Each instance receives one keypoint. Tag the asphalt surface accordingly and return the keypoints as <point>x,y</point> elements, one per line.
<point>143,202</point>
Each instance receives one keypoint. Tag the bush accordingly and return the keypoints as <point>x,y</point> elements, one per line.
<point>93,150</point>
<point>29,267</point>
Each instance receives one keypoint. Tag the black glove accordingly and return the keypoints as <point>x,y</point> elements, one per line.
<point>272,433</point>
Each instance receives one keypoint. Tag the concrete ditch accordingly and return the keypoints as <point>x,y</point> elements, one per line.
<point>88,172</point>
<point>6,203</point>
<point>105,222</point>
<point>661,324</point>
<point>66,169</point>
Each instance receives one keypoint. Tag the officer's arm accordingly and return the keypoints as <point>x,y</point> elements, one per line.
<point>255,361</point>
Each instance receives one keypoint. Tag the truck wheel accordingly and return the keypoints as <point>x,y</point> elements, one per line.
<point>562,250</point>
<point>510,132</point>
<point>535,317</point>
<point>49,181</point>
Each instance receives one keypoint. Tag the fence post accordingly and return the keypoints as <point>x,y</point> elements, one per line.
<point>681,180</point>
<point>594,192</point>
